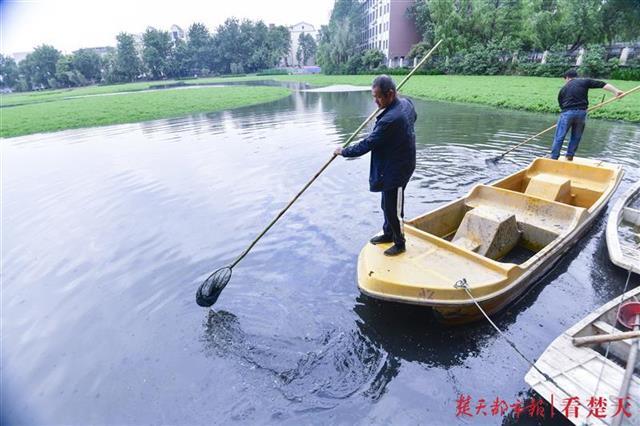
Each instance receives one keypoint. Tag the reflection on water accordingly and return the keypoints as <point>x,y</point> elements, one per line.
<point>108,231</point>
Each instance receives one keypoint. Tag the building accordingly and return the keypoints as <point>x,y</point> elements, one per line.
<point>101,51</point>
<point>19,56</point>
<point>389,29</point>
<point>295,31</point>
<point>177,33</point>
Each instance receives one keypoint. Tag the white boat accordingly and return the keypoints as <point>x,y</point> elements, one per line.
<point>623,231</point>
<point>584,372</point>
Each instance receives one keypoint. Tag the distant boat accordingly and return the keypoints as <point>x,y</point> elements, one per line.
<point>584,372</point>
<point>500,238</point>
<point>623,231</point>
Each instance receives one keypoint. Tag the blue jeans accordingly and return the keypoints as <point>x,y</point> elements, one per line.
<point>575,120</point>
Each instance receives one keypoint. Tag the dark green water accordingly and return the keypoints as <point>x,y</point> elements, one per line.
<point>107,232</point>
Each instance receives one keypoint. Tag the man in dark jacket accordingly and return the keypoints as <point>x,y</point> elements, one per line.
<point>393,158</point>
<point>574,101</point>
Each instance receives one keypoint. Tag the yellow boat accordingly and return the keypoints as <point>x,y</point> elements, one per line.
<point>500,239</point>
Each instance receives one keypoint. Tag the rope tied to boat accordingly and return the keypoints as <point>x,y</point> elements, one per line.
<point>462,284</point>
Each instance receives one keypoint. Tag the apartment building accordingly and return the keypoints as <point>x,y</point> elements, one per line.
<point>389,29</point>
<point>295,31</point>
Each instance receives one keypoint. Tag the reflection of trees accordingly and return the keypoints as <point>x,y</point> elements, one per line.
<point>349,109</point>
<point>278,111</point>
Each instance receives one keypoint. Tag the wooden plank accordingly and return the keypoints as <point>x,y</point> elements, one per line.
<point>579,379</point>
<point>605,327</point>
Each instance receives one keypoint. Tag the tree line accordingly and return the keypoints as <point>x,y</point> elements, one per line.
<point>236,47</point>
<point>489,36</point>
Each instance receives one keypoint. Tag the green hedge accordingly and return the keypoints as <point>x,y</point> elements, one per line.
<point>274,71</point>
<point>496,59</point>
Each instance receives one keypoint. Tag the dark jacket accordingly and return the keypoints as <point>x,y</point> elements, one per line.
<point>393,147</point>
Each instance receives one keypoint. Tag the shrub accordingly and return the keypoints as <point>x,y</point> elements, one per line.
<point>626,73</point>
<point>557,63</point>
<point>236,68</point>
<point>354,64</point>
<point>594,63</point>
<point>273,71</point>
<point>490,59</point>
<point>372,59</point>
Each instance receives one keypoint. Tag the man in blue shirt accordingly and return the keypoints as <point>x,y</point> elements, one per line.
<point>393,158</point>
<point>574,101</point>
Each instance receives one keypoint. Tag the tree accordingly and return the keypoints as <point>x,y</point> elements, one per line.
<point>39,67</point>
<point>420,13</point>
<point>87,62</point>
<point>620,20</point>
<point>229,44</point>
<point>583,21</point>
<point>260,57</point>
<point>178,63</point>
<point>156,52</point>
<point>547,24</point>
<point>372,59</point>
<point>339,39</point>
<point>306,48</point>
<point>66,75</point>
<point>8,72</point>
<point>278,43</point>
<point>200,48</point>
<point>127,65</point>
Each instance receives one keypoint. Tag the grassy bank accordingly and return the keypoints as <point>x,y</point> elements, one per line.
<point>54,110</point>
<point>523,93</point>
<point>24,98</point>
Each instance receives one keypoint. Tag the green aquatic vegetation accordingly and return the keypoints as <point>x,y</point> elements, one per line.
<point>538,94</point>
<point>24,98</point>
<point>60,114</point>
<point>51,110</point>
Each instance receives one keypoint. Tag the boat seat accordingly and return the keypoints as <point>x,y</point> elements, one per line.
<point>490,232</point>
<point>631,215</point>
<point>540,221</point>
<point>550,187</point>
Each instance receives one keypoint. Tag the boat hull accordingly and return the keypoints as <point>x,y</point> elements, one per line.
<point>625,254</point>
<point>433,264</point>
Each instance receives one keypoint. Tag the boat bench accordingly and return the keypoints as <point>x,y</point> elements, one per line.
<point>540,220</point>
<point>490,232</point>
<point>565,189</point>
<point>631,215</point>
<point>550,187</point>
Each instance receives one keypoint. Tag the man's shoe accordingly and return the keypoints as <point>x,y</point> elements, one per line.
<point>569,158</point>
<point>381,239</point>
<point>395,250</point>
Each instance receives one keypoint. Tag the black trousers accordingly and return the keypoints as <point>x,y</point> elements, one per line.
<point>393,209</point>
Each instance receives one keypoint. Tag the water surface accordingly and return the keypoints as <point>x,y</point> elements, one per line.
<point>108,231</point>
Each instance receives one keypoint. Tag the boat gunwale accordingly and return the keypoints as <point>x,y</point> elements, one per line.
<point>614,248</point>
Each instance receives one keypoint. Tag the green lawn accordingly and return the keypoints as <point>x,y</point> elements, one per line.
<point>523,93</point>
<point>52,114</point>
